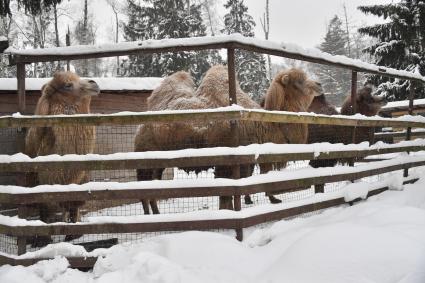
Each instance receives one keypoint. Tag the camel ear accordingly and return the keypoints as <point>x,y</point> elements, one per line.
<point>285,80</point>
<point>46,89</point>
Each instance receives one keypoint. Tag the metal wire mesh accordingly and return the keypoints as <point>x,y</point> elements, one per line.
<point>112,139</point>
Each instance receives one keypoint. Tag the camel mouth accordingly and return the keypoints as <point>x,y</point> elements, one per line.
<point>89,88</point>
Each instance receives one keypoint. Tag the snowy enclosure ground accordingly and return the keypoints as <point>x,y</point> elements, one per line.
<point>379,240</point>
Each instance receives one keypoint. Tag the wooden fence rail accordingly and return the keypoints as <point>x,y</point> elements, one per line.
<point>140,161</point>
<point>205,116</point>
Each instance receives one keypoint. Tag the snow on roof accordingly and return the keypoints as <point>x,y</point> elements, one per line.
<point>148,83</point>
<point>310,54</point>
<point>403,104</point>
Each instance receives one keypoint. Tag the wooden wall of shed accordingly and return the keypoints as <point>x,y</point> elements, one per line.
<point>108,139</point>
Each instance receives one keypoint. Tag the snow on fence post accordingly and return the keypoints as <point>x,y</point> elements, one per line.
<point>410,111</point>
<point>234,128</point>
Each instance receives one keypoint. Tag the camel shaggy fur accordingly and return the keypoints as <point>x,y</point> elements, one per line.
<point>176,92</point>
<point>290,90</point>
<point>65,94</point>
<point>367,104</point>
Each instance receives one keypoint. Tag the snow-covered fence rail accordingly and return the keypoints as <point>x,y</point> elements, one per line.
<point>208,115</point>
<point>264,153</point>
<point>235,41</point>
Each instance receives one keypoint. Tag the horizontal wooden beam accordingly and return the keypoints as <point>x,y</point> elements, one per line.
<point>200,116</point>
<point>205,224</point>
<point>194,161</point>
<point>88,262</point>
<point>401,134</point>
<point>74,262</point>
<point>112,119</point>
<point>171,191</point>
<point>196,44</point>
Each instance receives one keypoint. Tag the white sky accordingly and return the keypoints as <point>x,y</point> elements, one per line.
<point>298,21</point>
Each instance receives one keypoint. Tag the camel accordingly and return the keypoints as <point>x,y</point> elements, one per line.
<point>290,90</point>
<point>65,94</point>
<point>367,104</point>
<point>176,92</point>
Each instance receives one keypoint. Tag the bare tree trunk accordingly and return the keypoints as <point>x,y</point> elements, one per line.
<point>55,13</point>
<point>348,31</point>
<point>265,23</point>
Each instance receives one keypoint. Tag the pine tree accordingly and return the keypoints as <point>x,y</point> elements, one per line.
<point>401,44</point>
<point>334,80</point>
<point>251,67</point>
<point>85,34</point>
<point>161,19</point>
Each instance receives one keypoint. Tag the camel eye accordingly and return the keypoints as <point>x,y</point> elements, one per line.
<point>68,86</point>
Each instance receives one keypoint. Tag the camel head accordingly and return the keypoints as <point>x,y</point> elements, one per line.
<point>292,90</point>
<point>68,88</point>
<point>368,103</point>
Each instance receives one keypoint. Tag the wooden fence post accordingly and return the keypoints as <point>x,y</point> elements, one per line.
<point>234,127</point>
<point>409,129</point>
<point>20,69</point>
<point>22,240</point>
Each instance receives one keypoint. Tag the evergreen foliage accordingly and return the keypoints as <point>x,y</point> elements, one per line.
<point>161,19</point>
<point>401,44</point>
<point>250,67</point>
<point>334,80</point>
<point>33,7</point>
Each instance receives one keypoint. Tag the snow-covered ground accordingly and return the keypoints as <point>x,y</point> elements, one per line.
<point>379,240</point>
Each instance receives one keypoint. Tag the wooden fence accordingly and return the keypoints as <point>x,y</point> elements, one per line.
<point>239,219</point>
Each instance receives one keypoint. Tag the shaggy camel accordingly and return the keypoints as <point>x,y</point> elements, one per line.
<point>290,90</point>
<point>175,92</point>
<point>367,104</point>
<point>65,94</point>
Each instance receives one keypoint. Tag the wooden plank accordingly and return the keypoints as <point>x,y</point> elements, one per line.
<point>409,129</point>
<point>20,75</point>
<point>197,161</point>
<point>200,116</point>
<point>133,119</point>
<point>230,43</point>
<point>196,191</point>
<point>210,224</point>
<point>400,134</point>
<point>87,262</point>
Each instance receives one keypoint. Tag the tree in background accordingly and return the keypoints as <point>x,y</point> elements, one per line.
<point>33,7</point>
<point>251,67</point>
<point>7,31</point>
<point>161,19</point>
<point>85,34</point>
<point>334,80</point>
<point>400,44</point>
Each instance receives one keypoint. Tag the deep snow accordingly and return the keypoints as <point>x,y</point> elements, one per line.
<point>379,240</point>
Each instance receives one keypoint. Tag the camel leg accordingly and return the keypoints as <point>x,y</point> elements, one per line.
<point>145,204</point>
<point>147,175</point>
<point>264,168</point>
<point>225,202</point>
<point>319,188</point>
<point>74,217</point>
<point>248,199</point>
<point>47,215</point>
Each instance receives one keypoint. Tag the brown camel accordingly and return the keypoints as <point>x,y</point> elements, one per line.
<point>176,92</point>
<point>65,94</point>
<point>368,104</point>
<point>290,90</point>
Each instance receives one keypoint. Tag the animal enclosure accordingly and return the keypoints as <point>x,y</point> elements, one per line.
<point>111,201</point>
